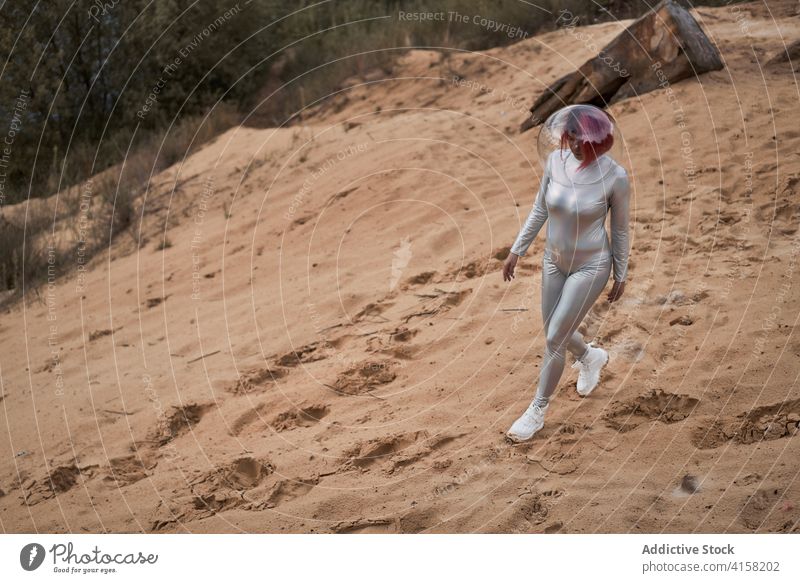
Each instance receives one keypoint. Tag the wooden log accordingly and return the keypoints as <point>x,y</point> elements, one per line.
<point>667,43</point>
<point>790,53</point>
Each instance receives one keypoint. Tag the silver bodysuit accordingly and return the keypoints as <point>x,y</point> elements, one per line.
<point>578,257</point>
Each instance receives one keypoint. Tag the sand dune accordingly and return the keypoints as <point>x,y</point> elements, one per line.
<point>328,345</point>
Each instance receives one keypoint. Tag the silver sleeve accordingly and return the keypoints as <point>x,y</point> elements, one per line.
<point>620,214</point>
<point>535,220</point>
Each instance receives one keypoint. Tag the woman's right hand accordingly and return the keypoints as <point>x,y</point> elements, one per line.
<point>508,267</point>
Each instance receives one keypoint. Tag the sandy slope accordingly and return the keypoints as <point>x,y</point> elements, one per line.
<point>362,364</point>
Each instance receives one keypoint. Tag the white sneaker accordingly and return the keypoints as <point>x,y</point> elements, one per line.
<point>589,375</point>
<point>532,420</point>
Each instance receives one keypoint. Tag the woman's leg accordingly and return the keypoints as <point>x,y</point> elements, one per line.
<point>553,280</point>
<point>578,293</point>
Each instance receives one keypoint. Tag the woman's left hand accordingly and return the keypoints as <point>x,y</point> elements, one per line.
<point>616,291</point>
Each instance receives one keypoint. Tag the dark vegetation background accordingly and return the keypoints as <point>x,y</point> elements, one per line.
<point>86,69</point>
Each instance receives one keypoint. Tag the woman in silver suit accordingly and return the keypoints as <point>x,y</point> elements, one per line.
<point>580,185</point>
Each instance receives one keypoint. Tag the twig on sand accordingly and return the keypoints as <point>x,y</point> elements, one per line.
<point>513,309</point>
<point>367,393</point>
<point>369,333</point>
<point>119,412</point>
<point>373,321</point>
<point>332,327</point>
<point>202,356</point>
<point>425,313</point>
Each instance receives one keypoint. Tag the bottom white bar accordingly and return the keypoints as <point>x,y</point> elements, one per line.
<point>326,558</point>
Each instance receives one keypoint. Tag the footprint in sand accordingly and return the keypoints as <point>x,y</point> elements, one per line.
<point>59,480</point>
<point>236,484</point>
<point>396,452</point>
<point>129,469</point>
<point>764,511</point>
<point>256,380</point>
<point>421,450</point>
<point>394,343</point>
<point>421,278</point>
<point>760,424</point>
<point>534,509</point>
<point>287,490</point>
<point>246,472</point>
<point>365,377</point>
<point>366,526</point>
<point>418,520</point>
<point>403,334</point>
<point>302,355</point>
<point>557,458</point>
<point>304,416</point>
<point>656,405</point>
<point>414,521</point>
<point>179,421</point>
<point>254,420</point>
<point>379,450</point>
<point>471,270</point>
<point>244,422</point>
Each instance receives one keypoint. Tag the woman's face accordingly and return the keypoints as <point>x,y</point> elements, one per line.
<point>574,145</point>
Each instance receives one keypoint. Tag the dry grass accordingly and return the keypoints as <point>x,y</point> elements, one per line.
<point>42,239</point>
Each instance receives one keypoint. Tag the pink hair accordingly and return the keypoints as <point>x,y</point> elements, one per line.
<point>601,132</point>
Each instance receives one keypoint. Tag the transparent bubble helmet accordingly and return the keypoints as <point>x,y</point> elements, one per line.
<point>588,130</point>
